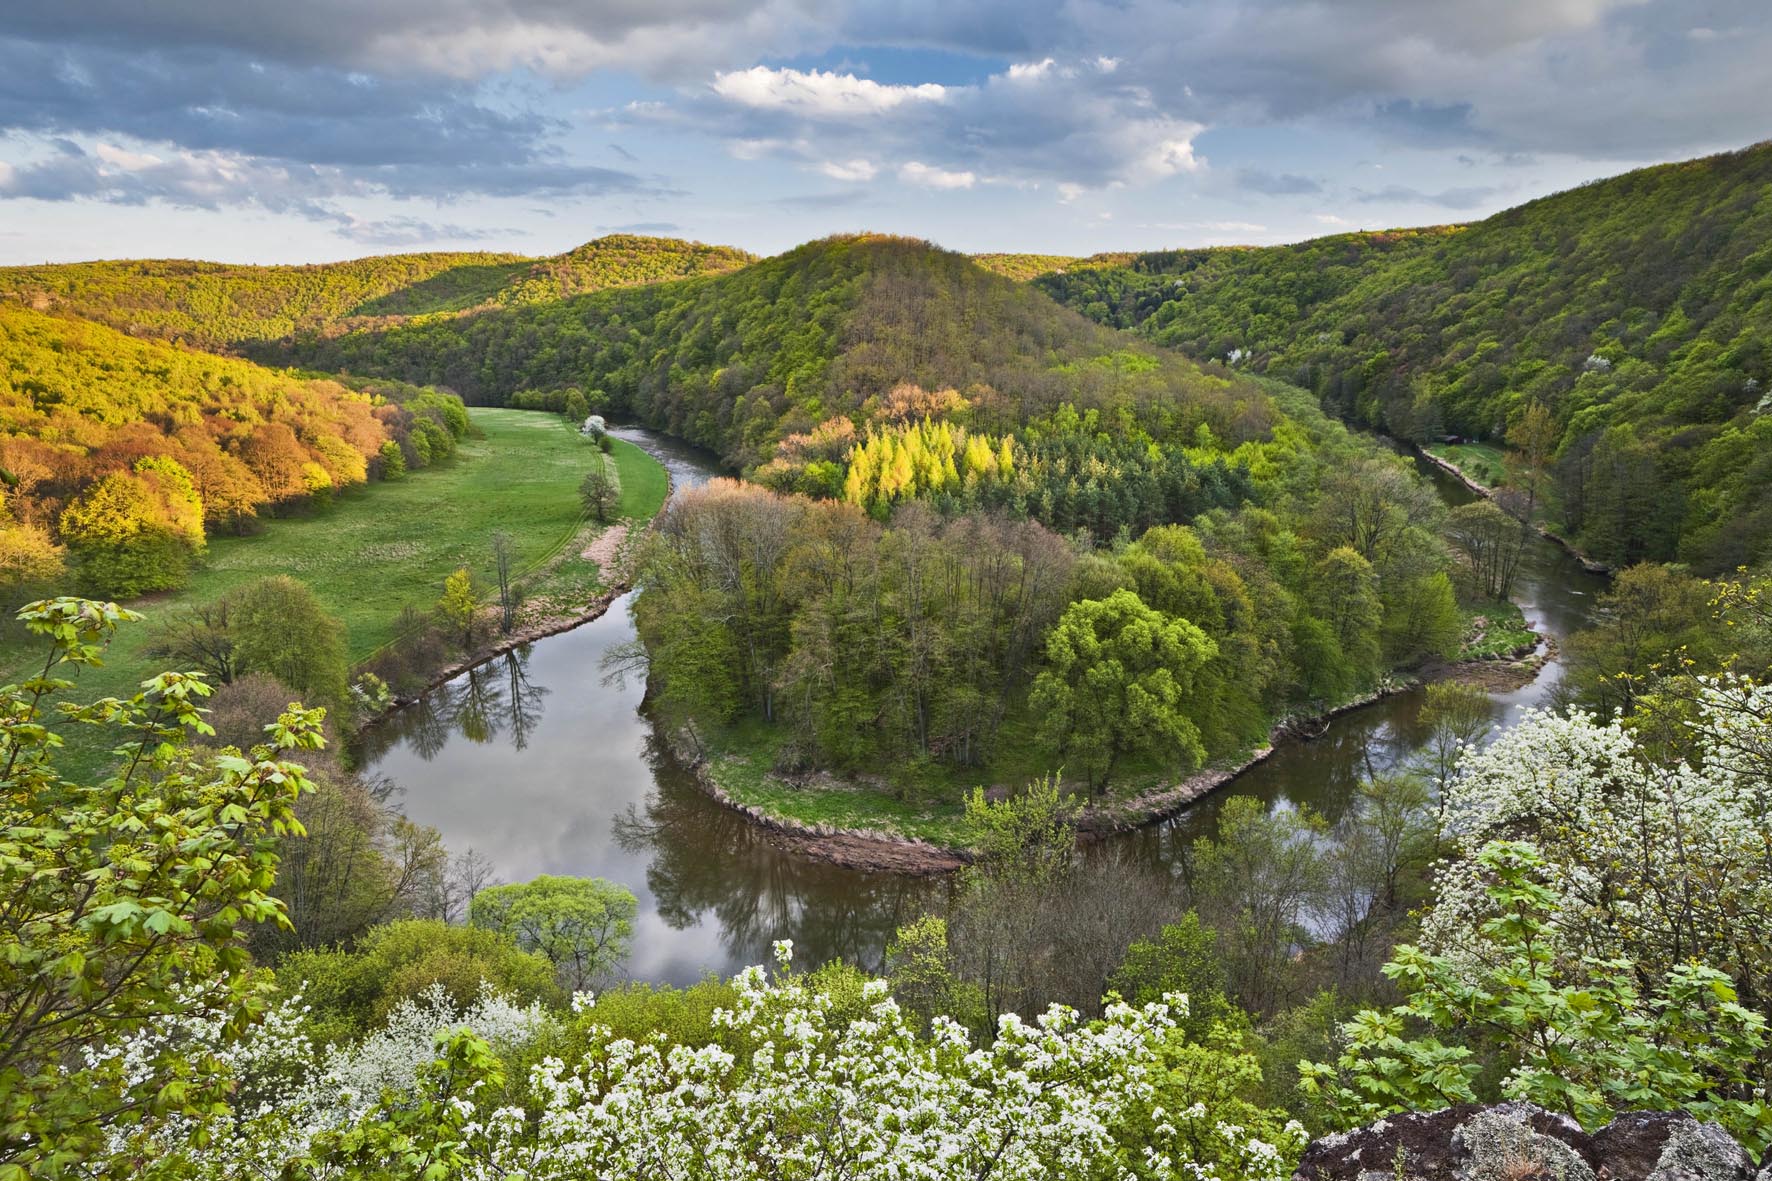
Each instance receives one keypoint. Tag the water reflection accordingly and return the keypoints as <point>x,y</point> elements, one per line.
<point>493,701</point>
<point>541,764</point>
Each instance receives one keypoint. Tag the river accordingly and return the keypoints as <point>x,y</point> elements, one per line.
<point>541,762</point>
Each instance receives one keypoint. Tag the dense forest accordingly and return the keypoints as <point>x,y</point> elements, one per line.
<point>739,362</point>
<point>1636,309</point>
<point>120,454</point>
<point>216,306</point>
<point>1032,266</point>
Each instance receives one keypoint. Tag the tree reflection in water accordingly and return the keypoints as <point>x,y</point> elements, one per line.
<point>487,701</point>
<point>703,859</point>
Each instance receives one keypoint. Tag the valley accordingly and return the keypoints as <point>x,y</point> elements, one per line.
<point>440,685</point>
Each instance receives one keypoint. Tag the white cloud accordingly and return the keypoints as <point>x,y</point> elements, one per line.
<point>125,159</point>
<point>819,93</point>
<point>1169,156</point>
<point>852,170</point>
<point>1069,191</point>
<point>1217,227</point>
<point>917,173</point>
<point>1030,71</point>
<point>1330,219</point>
<point>756,148</point>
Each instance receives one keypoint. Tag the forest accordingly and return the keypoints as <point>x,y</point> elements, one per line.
<point>737,363</point>
<point>1315,568</point>
<point>1294,577</point>
<point>121,455</point>
<point>1636,309</point>
<point>221,308</point>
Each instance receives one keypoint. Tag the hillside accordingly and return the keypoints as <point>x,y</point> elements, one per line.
<point>220,307</point>
<point>1032,266</point>
<point>112,445</point>
<point>737,362</point>
<point>1636,309</point>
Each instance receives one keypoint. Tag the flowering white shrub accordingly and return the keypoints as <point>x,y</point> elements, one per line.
<point>813,1097</point>
<point>288,1091</point>
<point>1650,859</point>
<point>350,1081</point>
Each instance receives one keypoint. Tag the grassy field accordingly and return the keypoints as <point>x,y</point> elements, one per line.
<point>1482,462</point>
<point>380,548</point>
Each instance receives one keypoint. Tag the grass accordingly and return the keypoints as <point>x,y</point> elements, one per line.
<point>380,548</point>
<point>1482,462</point>
<point>1502,628</point>
<point>746,752</point>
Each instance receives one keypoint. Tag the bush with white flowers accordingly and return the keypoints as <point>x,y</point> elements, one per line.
<point>1651,858</point>
<point>811,1097</point>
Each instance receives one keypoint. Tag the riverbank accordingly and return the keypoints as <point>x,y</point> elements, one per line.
<point>734,784</point>
<point>866,849</point>
<point>1487,491</point>
<point>608,551</point>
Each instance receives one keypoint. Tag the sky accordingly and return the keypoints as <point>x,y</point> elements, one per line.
<point>311,130</point>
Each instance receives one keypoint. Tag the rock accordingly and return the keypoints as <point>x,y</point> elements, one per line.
<point>1501,1144</point>
<point>1522,1142</point>
<point>1701,1152</point>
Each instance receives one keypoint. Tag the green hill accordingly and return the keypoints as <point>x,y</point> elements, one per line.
<point>1032,266</point>
<point>739,361</point>
<point>1637,309</point>
<point>218,306</point>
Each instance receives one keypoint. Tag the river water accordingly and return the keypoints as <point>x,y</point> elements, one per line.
<point>541,762</point>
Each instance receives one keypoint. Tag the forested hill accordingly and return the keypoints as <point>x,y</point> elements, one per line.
<point>1637,309</point>
<point>127,452</point>
<point>1032,266</point>
<point>740,361</point>
<point>218,306</point>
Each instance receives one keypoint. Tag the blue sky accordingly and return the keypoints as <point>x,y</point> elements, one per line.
<point>254,131</point>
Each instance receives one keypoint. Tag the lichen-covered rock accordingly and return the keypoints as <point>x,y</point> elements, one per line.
<point>1501,1144</point>
<point>1521,1142</point>
<point>1701,1152</point>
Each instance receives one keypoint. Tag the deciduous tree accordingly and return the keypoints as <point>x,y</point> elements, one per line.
<point>127,899</point>
<point>1119,678</point>
<point>581,924</point>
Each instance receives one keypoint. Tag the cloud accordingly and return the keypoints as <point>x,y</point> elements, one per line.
<point>819,93</point>
<point>836,200</point>
<point>1270,184</point>
<point>1593,78</point>
<point>1469,197</point>
<point>412,231</point>
<point>192,180</point>
<point>915,172</point>
<point>1050,120</point>
<point>643,227</point>
<point>461,39</point>
<point>210,180</point>
<point>321,127</point>
<point>851,170</point>
<point>310,106</point>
